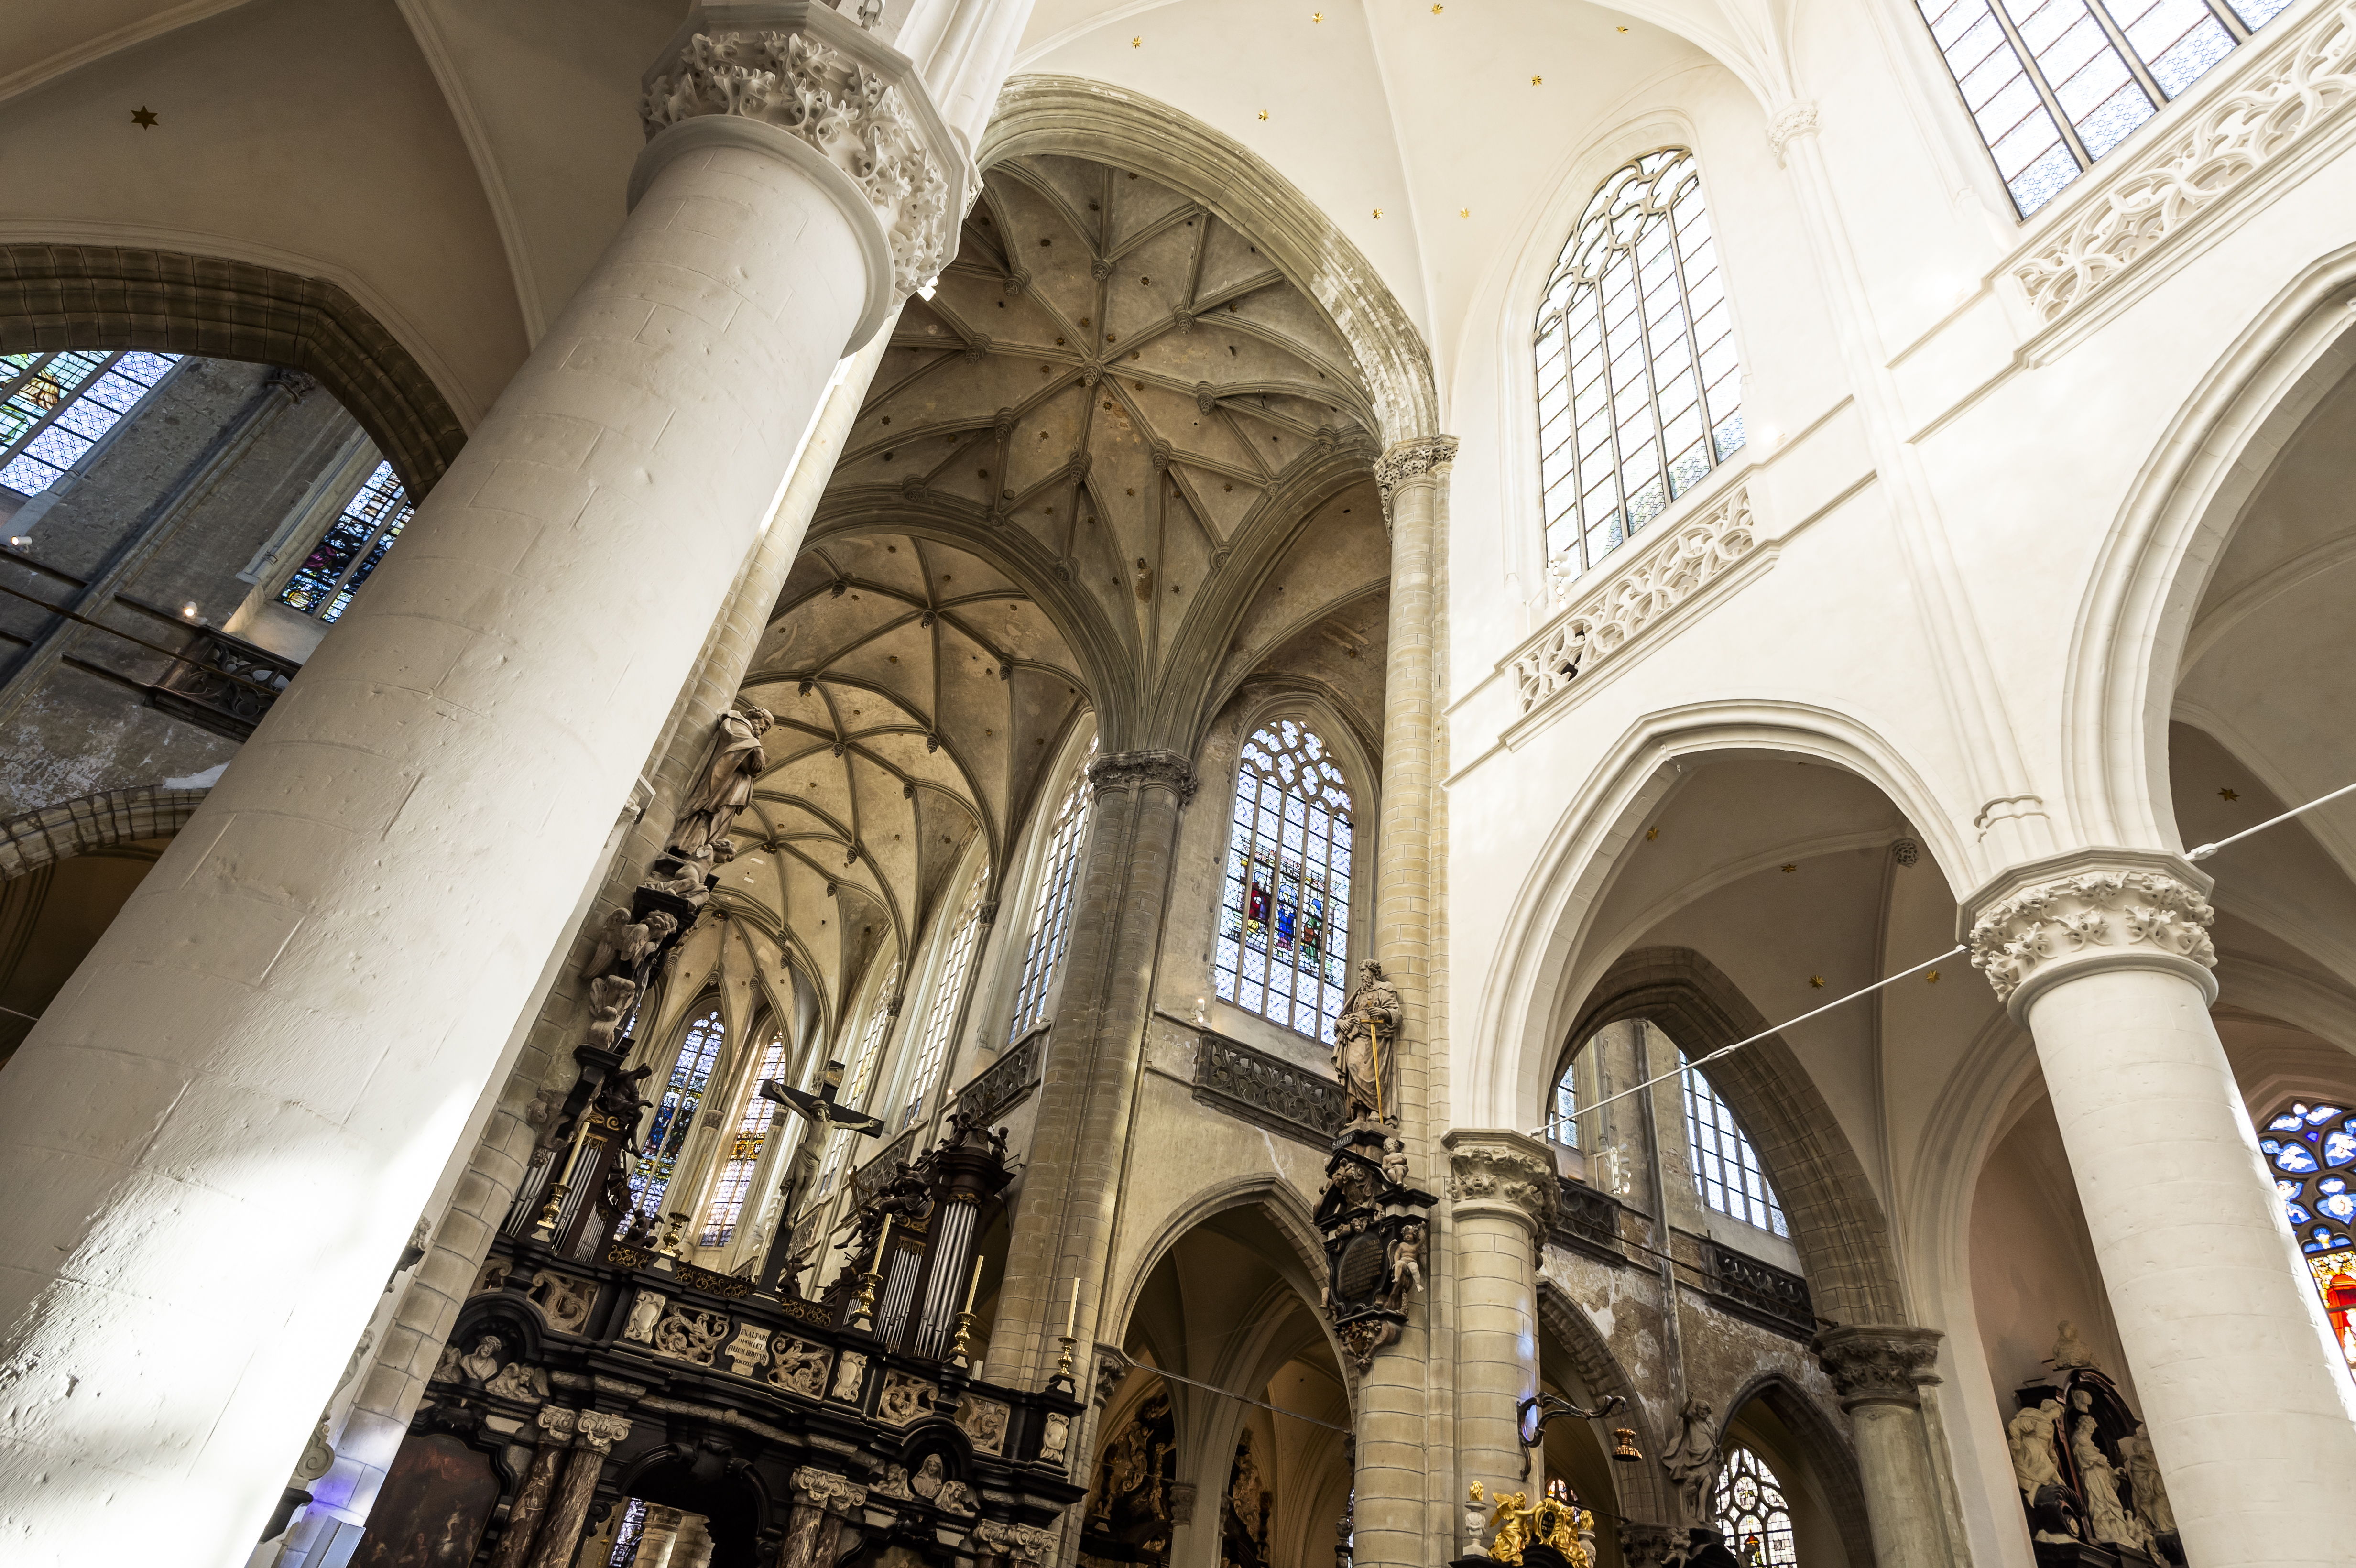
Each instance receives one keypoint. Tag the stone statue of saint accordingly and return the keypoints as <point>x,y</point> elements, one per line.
<point>2098,1480</point>
<point>724,782</point>
<point>2143,1476</point>
<point>2069,1351</point>
<point>2036,1458</point>
<point>1372,1010</point>
<point>1693,1463</point>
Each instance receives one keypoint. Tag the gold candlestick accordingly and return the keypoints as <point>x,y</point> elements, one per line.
<point>863,1310</point>
<point>1064,1364</point>
<point>961,1342</point>
<point>545,1231</point>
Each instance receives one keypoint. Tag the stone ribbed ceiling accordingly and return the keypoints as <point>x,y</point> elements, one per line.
<point>1079,467</point>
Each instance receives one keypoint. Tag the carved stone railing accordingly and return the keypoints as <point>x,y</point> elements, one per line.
<point>2285,87</point>
<point>1588,1220</point>
<point>1761,1292</point>
<point>1003,1084</point>
<point>223,684</point>
<point>869,1179</point>
<point>1659,574</point>
<point>1267,1090</point>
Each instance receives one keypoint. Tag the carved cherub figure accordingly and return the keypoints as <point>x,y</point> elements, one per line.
<point>609,998</point>
<point>1407,1262</point>
<point>1395,1162</point>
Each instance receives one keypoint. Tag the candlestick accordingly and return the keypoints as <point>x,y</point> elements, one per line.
<point>975,1287</point>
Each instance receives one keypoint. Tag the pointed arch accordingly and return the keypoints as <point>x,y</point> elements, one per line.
<point>1645,1495</point>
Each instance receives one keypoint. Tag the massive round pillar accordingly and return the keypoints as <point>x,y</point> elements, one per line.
<point>2104,956</point>
<point>220,1136</point>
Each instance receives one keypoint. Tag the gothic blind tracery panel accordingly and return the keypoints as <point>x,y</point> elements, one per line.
<point>55,407</point>
<point>352,548</point>
<point>1051,922</point>
<point>1726,1168</point>
<point>2053,85</point>
<point>2312,1149</point>
<point>1751,1512</point>
<point>1639,388</point>
<point>1284,921</point>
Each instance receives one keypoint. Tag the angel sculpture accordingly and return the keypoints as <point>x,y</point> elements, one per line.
<point>1510,1527</point>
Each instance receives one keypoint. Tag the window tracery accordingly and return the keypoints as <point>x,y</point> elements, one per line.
<point>1051,922</point>
<point>948,999</point>
<point>1284,919</point>
<point>754,1121</point>
<point>1639,387</point>
<point>1564,1128</point>
<point>2053,85</point>
<point>1752,1511</point>
<point>674,1118</point>
<point>2312,1149</point>
<point>352,548</point>
<point>1726,1168</point>
<point>55,407</point>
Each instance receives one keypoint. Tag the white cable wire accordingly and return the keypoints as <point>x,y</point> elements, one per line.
<point>2208,849</point>
<point>1554,1121</point>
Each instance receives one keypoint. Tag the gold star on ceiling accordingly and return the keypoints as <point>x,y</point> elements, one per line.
<point>1817,982</point>
<point>1463,212</point>
<point>1436,10</point>
<point>1790,866</point>
<point>1651,834</point>
<point>1316,15</point>
<point>1379,212</point>
<point>2228,794</point>
<point>144,117</point>
<point>1931,978</point>
<point>1263,113</point>
<point>1537,81</point>
<point>1137,43</point>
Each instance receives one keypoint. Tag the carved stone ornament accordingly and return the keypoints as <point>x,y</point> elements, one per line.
<point>1662,573</point>
<point>1411,458</point>
<point>1377,1237</point>
<point>2297,81</point>
<point>855,101</point>
<point>1135,770</point>
<point>690,1336</point>
<point>904,1399</point>
<point>1495,1168</point>
<point>598,1432</point>
<point>2113,906</point>
<point>984,1421</point>
<point>557,1424</point>
<point>1878,1364</point>
<point>1797,118</point>
<point>824,1490</point>
<point>848,1373</point>
<point>1023,1543</point>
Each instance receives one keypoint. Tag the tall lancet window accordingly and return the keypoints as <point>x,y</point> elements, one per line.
<point>352,548</point>
<point>1284,925</point>
<point>674,1116</point>
<point>1563,1128</point>
<point>1726,1168</point>
<point>55,407</point>
<point>1051,922</point>
<point>948,1000</point>
<point>1751,1512</point>
<point>2052,85</point>
<point>2312,1149</point>
<point>753,1124</point>
<point>858,1076</point>
<point>1640,395</point>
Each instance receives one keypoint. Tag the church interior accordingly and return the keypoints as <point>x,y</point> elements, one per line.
<point>1178,784</point>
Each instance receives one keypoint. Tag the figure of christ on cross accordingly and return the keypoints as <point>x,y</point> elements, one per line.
<point>825,1111</point>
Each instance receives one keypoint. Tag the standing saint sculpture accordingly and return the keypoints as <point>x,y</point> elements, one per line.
<point>723,785</point>
<point>1370,1018</point>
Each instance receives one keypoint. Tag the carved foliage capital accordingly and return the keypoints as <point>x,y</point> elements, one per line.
<point>1136,770</point>
<point>1502,1167</point>
<point>853,103</point>
<point>1412,459</point>
<point>1878,1364</point>
<point>2138,908</point>
<point>599,1432</point>
<point>1797,118</point>
<point>824,1490</point>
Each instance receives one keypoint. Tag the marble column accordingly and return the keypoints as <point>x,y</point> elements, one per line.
<point>556,1430</point>
<point>283,1033</point>
<point>1095,1044</point>
<point>1400,1520</point>
<point>1875,1371</point>
<point>2104,955</point>
<point>595,1436</point>
<point>1504,1196</point>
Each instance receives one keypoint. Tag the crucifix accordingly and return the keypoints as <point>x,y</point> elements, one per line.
<point>825,1111</point>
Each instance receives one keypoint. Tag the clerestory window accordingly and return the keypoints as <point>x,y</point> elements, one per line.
<point>1284,921</point>
<point>352,548</point>
<point>1051,920</point>
<point>859,1077</point>
<point>674,1118</point>
<point>1640,393</point>
<point>948,1000</point>
<point>1726,1168</point>
<point>55,407</point>
<point>755,1122</point>
<point>2052,85</point>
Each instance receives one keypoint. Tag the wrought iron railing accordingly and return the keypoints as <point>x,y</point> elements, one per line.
<point>224,683</point>
<point>1267,1090</point>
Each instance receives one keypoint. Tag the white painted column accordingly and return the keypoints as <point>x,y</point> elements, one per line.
<point>1506,1197</point>
<point>2104,954</point>
<point>218,1137</point>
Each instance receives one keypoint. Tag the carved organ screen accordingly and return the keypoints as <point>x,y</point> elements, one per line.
<point>2312,1149</point>
<point>1751,1512</point>
<point>861,1077</point>
<point>1726,1168</point>
<point>1639,388</point>
<point>352,548</point>
<point>948,1000</point>
<point>674,1115</point>
<point>755,1118</point>
<point>1051,920</point>
<point>55,407</point>
<point>2052,85</point>
<point>1284,921</point>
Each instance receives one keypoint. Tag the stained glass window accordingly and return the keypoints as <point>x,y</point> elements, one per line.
<point>54,408</point>
<point>2052,85</point>
<point>1564,1128</point>
<point>324,584</point>
<point>1284,923</point>
<point>1751,1512</point>
<point>1726,1168</point>
<point>1051,925</point>
<point>743,1151</point>
<point>675,1114</point>
<point>1640,395</point>
<point>2312,1149</point>
<point>948,999</point>
<point>860,1077</point>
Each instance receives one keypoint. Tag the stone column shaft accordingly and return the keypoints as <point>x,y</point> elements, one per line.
<point>560,1537</point>
<point>1397,1521</point>
<point>1876,1370</point>
<point>1503,1186</point>
<point>532,1499</point>
<point>2104,954</point>
<point>1063,1226</point>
